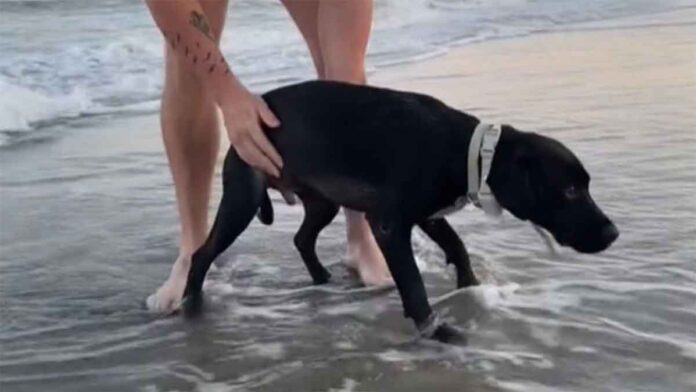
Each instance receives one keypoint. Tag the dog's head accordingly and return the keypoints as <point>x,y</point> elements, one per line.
<point>537,178</point>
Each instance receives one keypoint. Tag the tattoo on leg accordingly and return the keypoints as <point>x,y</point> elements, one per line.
<point>198,21</point>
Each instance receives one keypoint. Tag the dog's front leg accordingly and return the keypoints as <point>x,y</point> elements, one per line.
<point>440,231</point>
<point>394,239</point>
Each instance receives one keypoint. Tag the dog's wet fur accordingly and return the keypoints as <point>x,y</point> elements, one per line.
<point>400,157</point>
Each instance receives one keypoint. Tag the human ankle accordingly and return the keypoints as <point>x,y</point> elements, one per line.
<point>184,258</point>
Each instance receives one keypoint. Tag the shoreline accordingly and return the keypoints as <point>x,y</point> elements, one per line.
<point>422,75</point>
<point>376,75</point>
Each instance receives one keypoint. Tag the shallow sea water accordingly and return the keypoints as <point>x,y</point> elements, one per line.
<point>88,229</point>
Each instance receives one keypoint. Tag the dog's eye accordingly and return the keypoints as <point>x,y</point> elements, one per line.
<point>571,192</point>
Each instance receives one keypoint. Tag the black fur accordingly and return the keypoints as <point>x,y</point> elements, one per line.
<point>399,157</point>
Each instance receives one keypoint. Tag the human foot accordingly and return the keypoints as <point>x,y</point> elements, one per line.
<point>167,299</point>
<point>365,257</point>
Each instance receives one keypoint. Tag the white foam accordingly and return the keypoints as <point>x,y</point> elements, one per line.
<point>547,299</point>
<point>491,296</point>
<point>583,349</point>
<point>687,348</point>
<point>345,345</point>
<point>349,385</point>
<point>524,386</point>
<point>478,359</point>
<point>271,312</point>
<point>21,107</point>
<point>268,350</point>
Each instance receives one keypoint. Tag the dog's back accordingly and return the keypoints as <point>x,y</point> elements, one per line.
<point>349,141</point>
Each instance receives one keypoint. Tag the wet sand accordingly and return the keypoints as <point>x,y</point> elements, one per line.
<point>89,230</point>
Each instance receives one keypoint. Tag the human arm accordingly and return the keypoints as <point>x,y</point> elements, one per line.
<point>189,36</point>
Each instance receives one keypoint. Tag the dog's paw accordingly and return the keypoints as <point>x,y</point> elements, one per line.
<point>467,281</point>
<point>432,328</point>
<point>321,277</point>
<point>446,333</point>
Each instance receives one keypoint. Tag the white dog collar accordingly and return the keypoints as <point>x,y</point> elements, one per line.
<point>483,143</point>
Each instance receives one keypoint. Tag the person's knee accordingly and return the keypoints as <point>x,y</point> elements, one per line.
<point>343,62</point>
<point>345,28</point>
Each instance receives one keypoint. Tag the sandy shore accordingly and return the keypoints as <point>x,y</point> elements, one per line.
<point>90,222</point>
<point>551,76</point>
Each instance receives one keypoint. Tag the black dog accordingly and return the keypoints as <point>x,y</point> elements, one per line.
<point>399,157</point>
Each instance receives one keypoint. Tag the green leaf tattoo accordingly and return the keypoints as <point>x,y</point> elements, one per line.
<point>198,21</point>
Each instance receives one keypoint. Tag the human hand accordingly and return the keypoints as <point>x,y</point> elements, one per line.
<point>242,114</point>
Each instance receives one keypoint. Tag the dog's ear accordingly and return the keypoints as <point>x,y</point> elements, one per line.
<point>512,181</point>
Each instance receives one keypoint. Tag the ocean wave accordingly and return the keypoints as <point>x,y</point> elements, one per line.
<point>22,108</point>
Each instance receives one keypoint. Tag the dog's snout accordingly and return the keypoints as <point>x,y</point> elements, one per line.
<point>609,233</point>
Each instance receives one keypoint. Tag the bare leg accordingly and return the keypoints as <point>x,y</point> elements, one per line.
<point>336,33</point>
<point>343,30</point>
<point>191,137</point>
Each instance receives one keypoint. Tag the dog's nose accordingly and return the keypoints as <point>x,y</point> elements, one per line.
<point>609,233</point>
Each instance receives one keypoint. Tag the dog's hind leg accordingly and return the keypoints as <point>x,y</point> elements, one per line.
<point>243,190</point>
<point>319,212</point>
<point>440,231</point>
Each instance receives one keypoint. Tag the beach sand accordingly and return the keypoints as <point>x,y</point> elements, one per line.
<point>89,229</point>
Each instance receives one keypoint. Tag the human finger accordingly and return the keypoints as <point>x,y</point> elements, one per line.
<point>266,147</point>
<point>267,116</point>
<point>251,154</point>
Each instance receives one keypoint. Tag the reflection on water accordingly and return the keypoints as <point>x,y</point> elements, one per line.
<point>88,229</point>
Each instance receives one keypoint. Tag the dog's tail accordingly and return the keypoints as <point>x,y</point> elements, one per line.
<point>265,212</point>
